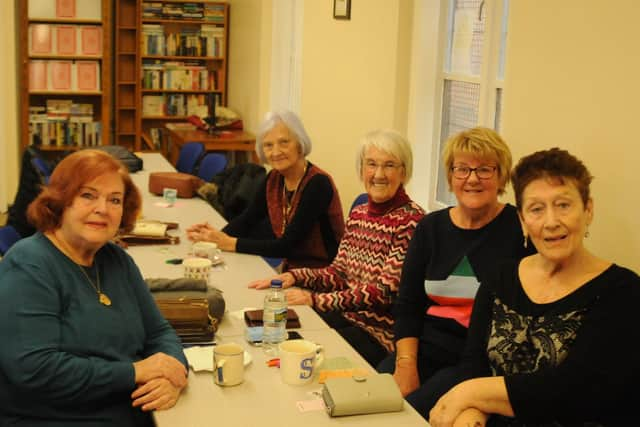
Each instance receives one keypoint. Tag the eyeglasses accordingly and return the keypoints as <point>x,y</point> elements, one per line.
<point>482,172</point>
<point>281,143</point>
<point>387,167</point>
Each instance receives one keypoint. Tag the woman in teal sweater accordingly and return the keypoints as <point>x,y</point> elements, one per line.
<point>83,341</point>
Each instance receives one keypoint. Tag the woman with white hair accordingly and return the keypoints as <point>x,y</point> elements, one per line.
<point>296,214</point>
<point>355,293</point>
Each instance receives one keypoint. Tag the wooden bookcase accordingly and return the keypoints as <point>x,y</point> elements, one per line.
<point>170,63</point>
<point>65,78</point>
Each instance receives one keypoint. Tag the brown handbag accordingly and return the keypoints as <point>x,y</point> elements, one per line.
<point>186,184</point>
<point>189,317</point>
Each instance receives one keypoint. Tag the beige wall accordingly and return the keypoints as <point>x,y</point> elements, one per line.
<point>573,81</point>
<point>8,106</point>
<point>353,80</point>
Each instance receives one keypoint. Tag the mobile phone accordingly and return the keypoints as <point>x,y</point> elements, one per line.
<point>294,335</point>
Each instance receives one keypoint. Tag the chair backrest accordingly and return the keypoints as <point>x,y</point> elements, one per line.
<point>42,167</point>
<point>359,200</point>
<point>8,236</point>
<point>211,165</point>
<point>189,155</point>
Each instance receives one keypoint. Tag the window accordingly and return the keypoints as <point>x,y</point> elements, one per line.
<point>472,73</point>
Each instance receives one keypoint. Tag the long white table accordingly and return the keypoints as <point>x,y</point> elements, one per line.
<point>262,399</point>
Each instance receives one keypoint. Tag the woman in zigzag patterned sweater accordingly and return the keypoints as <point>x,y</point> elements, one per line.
<point>355,292</point>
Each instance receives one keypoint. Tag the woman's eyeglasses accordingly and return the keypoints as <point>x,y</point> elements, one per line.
<point>387,167</point>
<point>482,172</point>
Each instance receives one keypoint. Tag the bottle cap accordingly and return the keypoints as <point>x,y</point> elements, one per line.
<point>276,283</point>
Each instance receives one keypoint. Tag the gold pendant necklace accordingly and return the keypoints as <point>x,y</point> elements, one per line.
<point>102,297</point>
<point>287,202</point>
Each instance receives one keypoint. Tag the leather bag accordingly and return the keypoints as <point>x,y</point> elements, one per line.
<point>189,317</point>
<point>184,183</point>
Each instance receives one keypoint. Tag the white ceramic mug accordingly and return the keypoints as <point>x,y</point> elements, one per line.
<point>205,250</point>
<point>299,360</point>
<point>228,364</point>
<point>197,268</point>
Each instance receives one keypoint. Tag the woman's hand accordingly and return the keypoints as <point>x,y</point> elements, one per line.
<point>157,394</point>
<point>160,365</point>
<point>449,407</point>
<point>299,297</point>
<point>406,376</point>
<point>287,281</point>
<point>206,233</point>
<point>471,417</point>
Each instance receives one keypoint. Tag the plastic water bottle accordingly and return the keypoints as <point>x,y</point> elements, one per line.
<point>274,318</point>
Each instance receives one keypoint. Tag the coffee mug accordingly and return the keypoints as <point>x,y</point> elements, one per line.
<point>205,250</point>
<point>197,268</point>
<point>228,364</point>
<point>298,361</point>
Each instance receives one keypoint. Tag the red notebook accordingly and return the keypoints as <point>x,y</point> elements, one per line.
<point>60,75</point>
<point>87,75</point>
<point>66,35</point>
<point>65,8</point>
<point>40,38</point>
<point>91,40</point>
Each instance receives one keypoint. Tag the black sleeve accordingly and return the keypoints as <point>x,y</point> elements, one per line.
<point>410,305</point>
<point>255,213</point>
<point>599,377</point>
<point>314,202</point>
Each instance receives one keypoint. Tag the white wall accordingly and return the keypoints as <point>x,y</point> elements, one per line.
<point>572,81</point>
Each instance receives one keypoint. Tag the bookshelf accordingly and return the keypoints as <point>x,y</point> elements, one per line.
<point>65,79</point>
<point>171,62</point>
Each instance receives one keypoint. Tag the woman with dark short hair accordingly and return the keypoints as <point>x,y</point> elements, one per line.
<point>83,342</point>
<point>553,337</point>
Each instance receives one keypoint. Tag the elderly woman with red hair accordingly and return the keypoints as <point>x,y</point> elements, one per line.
<point>83,342</point>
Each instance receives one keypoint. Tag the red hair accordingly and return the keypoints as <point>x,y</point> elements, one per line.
<point>72,173</point>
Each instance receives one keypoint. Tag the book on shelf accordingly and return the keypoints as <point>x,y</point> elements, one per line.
<point>153,105</point>
<point>65,8</point>
<point>88,77</point>
<point>60,75</point>
<point>40,39</point>
<point>91,40</point>
<point>65,39</point>
<point>38,75</point>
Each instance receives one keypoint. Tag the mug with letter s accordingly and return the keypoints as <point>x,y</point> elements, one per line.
<point>228,364</point>
<point>299,360</point>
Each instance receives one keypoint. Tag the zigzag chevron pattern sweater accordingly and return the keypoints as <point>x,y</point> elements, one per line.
<point>362,281</point>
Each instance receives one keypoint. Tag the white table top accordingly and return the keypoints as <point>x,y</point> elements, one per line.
<point>262,398</point>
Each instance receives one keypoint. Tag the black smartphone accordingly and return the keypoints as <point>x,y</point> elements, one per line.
<point>294,335</point>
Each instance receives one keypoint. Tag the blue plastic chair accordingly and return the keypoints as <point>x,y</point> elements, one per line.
<point>210,165</point>
<point>360,200</point>
<point>8,236</point>
<point>190,153</point>
<point>42,167</point>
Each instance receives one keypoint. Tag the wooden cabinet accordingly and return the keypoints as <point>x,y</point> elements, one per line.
<point>65,78</point>
<point>170,63</point>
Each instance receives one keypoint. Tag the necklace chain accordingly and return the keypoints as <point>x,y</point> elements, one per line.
<point>102,297</point>
<point>287,202</point>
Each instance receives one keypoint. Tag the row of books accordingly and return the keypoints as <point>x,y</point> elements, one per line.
<point>178,76</point>
<point>208,40</point>
<point>47,39</point>
<point>63,122</point>
<point>160,10</point>
<point>65,9</point>
<point>175,105</point>
<point>64,76</point>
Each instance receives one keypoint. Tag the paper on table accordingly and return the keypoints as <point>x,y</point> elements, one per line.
<point>200,358</point>
<point>149,229</point>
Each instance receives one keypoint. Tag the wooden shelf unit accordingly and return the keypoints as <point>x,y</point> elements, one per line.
<point>45,19</point>
<point>133,127</point>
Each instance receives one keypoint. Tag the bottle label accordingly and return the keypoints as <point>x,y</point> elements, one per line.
<point>280,315</point>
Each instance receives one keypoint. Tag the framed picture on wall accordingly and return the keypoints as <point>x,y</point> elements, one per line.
<point>342,9</point>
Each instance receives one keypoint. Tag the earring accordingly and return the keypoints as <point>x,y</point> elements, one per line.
<point>586,233</point>
<point>526,238</point>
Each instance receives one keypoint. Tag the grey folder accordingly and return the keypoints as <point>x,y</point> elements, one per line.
<point>365,395</point>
